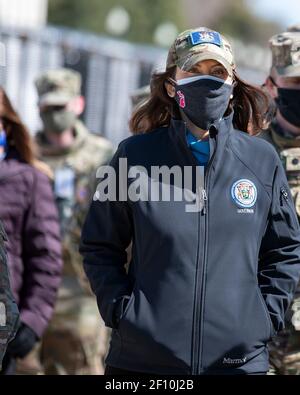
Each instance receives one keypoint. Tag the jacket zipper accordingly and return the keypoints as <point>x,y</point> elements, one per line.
<point>198,322</point>
<point>283,195</point>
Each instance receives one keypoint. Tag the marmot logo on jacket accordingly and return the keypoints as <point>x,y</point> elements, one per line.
<point>236,361</point>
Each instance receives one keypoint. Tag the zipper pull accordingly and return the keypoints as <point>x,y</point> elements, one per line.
<point>283,194</point>
<point>205,199</point>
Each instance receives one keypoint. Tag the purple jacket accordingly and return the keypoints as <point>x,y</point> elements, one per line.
<point>30,218</point>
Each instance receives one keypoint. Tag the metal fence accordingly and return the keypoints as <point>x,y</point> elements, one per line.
<point>111,71</point>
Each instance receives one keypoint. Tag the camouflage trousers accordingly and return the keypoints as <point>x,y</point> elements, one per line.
<point>75,343</point>
<point>285,353</point>
<point>31,364</point>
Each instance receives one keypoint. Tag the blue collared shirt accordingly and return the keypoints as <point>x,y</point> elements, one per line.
<point>200,149</point>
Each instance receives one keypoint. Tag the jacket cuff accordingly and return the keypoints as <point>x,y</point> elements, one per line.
<point>278,323</point>
<point>119,305</point>
<point>34,322</point>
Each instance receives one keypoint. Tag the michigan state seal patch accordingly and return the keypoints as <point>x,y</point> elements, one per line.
<point>244,193</point>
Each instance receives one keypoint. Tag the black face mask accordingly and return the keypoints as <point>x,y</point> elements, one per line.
<point>288,103</point>
<point>204,100</point>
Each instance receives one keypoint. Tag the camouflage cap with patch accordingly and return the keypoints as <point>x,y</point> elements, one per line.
<point>58,87</point>
<point>195,45</point>
<point>285,49</point>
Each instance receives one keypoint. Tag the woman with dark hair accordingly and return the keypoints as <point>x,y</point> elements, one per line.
<point>30,219</point>
<point>215,264</point>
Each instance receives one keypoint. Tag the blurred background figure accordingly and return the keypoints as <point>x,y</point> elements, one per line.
<point>283,85</point>
<point>30,219</point>
<point>76,340</point>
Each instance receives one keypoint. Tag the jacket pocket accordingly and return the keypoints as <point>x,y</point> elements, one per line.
<point>267,314</point>
<point>127,307</point>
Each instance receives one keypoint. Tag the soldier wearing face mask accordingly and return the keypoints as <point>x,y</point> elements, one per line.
<point>283,85</point>
<point>76,340</point>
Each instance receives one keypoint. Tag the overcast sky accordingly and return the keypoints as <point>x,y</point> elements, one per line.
<point>287,12</point>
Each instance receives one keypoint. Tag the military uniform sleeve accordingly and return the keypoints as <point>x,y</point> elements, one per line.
<point>42,257</point>
<point>72,237</point>
<point>106,234</point>
<point>9,313</point>
<point>279,257</point>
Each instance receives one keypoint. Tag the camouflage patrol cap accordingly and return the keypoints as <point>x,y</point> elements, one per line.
<point>195,45</point>
<point>286,53</point>
<point>58,87</point>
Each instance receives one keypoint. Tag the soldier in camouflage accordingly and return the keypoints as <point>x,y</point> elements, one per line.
<point>77,339</point>
<point>283,85</point>
<point>9,313</point>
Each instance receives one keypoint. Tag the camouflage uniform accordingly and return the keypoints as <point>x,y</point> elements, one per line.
<point>76,341</point>
<point>285,348</point>
<point>9,313</point>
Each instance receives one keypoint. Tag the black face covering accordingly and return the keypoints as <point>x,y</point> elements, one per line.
<point>204,101</point>
<point>288,103</point>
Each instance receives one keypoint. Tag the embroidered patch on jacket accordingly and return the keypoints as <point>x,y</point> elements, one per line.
<point>244,193</point>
